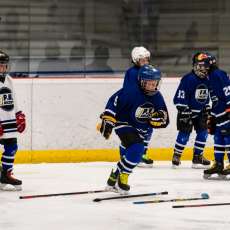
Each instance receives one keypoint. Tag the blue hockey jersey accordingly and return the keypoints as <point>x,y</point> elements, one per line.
<point>220,95</point>
<point>132,110</point>
<point>192,93</point>
<point>131,77</point>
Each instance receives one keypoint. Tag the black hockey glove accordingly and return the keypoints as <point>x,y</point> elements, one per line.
<point>184,120</point>
<point>159,119</point>
<point>107,124</point>
<point>200,120</point>
<point>185,114</point>
<point>207,110</point>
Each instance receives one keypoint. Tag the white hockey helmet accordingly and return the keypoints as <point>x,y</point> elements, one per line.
<point>138,53</point>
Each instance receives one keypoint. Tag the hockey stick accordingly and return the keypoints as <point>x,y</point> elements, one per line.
<point>199,205</point>
<point>129,196</point>
<point>203,197</point>
<point>62,194</point>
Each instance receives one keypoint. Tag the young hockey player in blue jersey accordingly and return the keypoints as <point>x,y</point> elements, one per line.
<point>12,121</point>
<point>191,100</point>
<point>133,113</point>
<point>219,121</point>
<point>140,56</point>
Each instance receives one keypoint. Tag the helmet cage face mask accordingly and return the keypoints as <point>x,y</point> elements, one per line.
<point>147,91</point>
<point>143,61</point>
<point>4,60</point>
<point>3,69</point>
<point>201,70</point>
<point>201,65</point>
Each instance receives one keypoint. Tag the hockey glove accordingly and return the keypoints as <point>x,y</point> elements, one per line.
<point>211,125</point>
<point>107,124</point>
<point>184,120</point>
<point>200,119</point>
<point>20,121</point>
<point>207,110</point>
<point>158,119</point>
<point>185,115</point>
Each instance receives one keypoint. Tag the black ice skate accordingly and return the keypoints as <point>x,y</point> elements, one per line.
<point>226,173</point>
<point>9,182</point>
<point>176,160</point>
<point>146,162</point>
<point>111,182</point>
<point>122,183</point>
<point>199,162</point>
<point>216,169</point>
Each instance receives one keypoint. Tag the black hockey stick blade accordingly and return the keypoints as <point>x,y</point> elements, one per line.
<point>204,196</point>
<point>199,205</point>
<point>217,178</point>
<point>129,196</point>
<point>62,194</point>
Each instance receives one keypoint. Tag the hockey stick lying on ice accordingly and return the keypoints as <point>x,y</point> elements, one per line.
<point>203,197</point>
<point>130,196</point>
<point>62,194</point>
<point>199,205</point>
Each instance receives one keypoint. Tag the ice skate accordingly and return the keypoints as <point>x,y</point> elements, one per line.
<point>111,182</point>
<point>9,183</point>
<point>226,173</point>
<point>200,162</point>
<point>146,162</point>
<point>176,160</point>
<point>122,184</point>
<point>215,172</point>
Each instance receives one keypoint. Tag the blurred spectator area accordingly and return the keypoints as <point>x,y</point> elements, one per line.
<point>76,37</point>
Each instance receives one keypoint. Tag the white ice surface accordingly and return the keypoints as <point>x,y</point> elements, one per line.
<point>79,212</point>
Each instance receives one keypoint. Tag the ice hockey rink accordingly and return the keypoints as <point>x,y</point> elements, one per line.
<point>80,212</point>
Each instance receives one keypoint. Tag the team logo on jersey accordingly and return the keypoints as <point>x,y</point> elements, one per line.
<point>6,99</point>
<point>201,94</point>
<point>143,112</point>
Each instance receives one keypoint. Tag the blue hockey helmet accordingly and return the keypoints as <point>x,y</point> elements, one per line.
<point>149,79</point>
<point>201,64</point>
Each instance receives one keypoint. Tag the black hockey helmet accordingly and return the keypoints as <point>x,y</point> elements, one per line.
<point>4,58</point>
<point>201,64</point>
